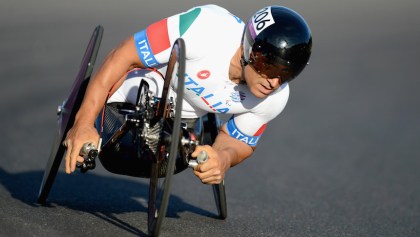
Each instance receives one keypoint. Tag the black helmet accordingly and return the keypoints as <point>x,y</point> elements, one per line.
<point>277,42</point>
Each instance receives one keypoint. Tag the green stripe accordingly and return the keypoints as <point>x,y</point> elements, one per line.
<point>186,20</point>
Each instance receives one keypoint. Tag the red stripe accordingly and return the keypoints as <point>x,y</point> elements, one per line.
<point>205,101</point>
<point>261,130</point>
<point>157,34</point>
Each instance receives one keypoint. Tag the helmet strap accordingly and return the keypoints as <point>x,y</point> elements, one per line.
<point>243,61</point>
<point>243,64</point>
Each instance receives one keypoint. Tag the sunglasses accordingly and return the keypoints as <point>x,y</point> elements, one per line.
<point>263,65</point>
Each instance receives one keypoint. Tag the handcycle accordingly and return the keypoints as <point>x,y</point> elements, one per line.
<point>148,139</point>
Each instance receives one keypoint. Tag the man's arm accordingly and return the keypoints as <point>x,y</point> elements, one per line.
<point>109,75</point>
<point>226,152</point>
<point>118,62</point>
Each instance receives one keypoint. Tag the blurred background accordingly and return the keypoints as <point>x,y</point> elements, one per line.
<point>341,160</point>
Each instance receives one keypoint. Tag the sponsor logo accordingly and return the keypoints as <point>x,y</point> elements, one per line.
<point>237,96</point>
<point>204,74</point>
<point>262,19</point>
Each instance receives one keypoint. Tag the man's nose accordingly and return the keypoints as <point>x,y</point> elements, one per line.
<point>274,82</point>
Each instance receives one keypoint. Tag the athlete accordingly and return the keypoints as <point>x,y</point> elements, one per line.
<point>232,67</point>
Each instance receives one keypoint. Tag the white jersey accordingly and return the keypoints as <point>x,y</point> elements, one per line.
<point>212,35</point>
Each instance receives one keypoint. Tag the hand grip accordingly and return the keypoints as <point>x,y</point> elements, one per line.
<point>89,153</point>
<point>202,157</point>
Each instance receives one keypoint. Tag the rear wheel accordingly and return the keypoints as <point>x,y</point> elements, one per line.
<point>220,198</point>
<point>169,120</point>
<point>211,128</point>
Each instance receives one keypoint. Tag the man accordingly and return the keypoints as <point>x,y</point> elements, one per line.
<point>231,67</point>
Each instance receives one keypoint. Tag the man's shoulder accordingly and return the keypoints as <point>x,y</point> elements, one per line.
<point>274,104</point>
<point>212,26</point>
<point>213,8</point>
<point>215,13</point>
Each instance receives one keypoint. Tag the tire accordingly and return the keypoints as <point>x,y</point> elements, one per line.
<point>220,198</point>
<point>167,152</point>
<point>211,129</point>
<point>67,112</point>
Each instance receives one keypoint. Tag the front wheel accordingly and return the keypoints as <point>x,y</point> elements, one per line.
<point>166,152</point>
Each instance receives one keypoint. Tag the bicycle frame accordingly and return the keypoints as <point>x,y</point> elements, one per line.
<point>156,123</point>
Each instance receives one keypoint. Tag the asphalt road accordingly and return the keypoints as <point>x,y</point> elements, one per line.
<point>341,160</point>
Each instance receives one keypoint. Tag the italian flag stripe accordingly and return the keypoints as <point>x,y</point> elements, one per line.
<point>158,37</point>
<point>186,20</point>
<point>261,130</point>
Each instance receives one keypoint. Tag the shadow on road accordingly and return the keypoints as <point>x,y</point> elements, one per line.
<point>103,197</point>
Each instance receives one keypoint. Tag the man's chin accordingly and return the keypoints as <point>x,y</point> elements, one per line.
<point>259,94</point>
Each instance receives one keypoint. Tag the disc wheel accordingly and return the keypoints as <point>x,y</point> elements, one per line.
<point>67,112</point>
<point>163,164</point>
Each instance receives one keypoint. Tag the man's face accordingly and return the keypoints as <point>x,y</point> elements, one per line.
<point>260,84</point>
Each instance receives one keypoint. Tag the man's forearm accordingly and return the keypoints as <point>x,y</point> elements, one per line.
<point>225,153</point>
<point>91,106</point>
<point>234,150</point>
<point>109,75</point>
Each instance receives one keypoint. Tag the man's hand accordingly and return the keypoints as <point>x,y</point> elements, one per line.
<point>109,75</point>
<point>225,152</point>
<point>214,169</point>
<point>77,136</point>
